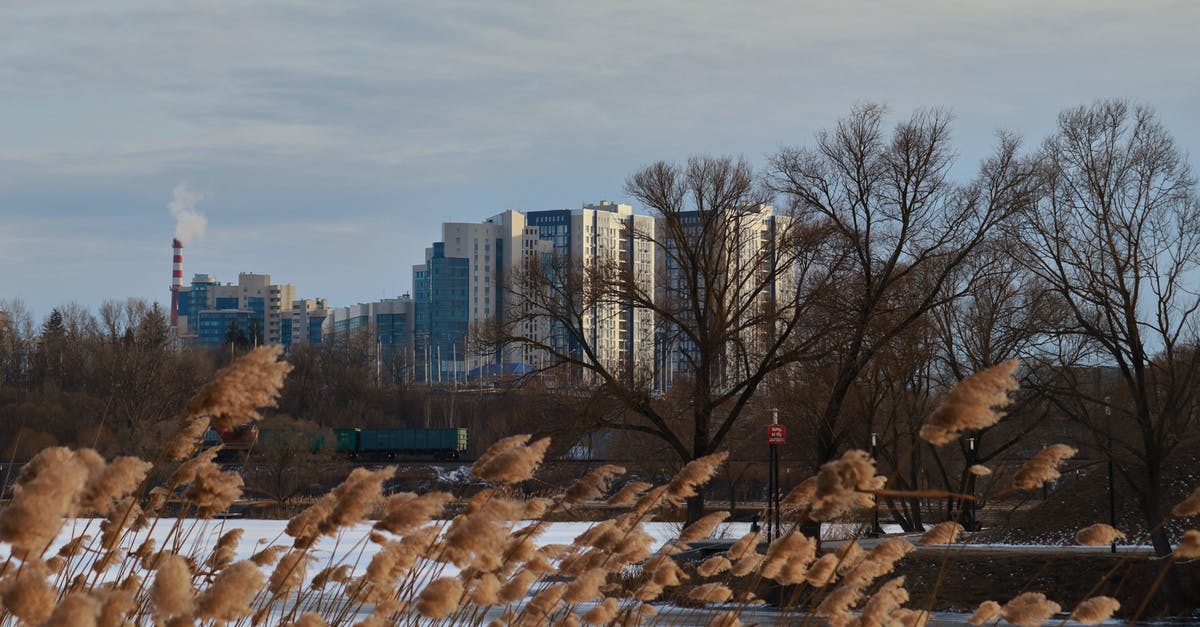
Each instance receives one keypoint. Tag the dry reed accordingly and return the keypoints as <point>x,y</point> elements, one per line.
<point>1029,609</point>
<point>973,404</point>
<point>1095,610</point>
<point>845,484</point>
<point>941,533</point>
<point>96,578</point>
<point>1189,506</point>
<point>1043,467</point>
<point>1189,545</point>
<point>1098,534</point>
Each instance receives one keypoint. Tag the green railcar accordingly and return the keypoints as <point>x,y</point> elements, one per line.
<point>393,443</point>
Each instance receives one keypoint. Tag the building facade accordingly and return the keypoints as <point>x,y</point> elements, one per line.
<point>253,309</point>
<point>602,238</point>
<point>382,330</point>
<point>746,248</point>
<point>460,291</point>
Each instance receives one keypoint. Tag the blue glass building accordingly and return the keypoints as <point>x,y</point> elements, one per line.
<point>441,310</point>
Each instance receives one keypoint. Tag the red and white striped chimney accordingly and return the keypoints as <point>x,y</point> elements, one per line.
<point>176,280</point>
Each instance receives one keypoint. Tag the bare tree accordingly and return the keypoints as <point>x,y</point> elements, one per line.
<point>1006,312</point>
<point>1115,234</point>
<point>731,299</point>
<point>900,234</point>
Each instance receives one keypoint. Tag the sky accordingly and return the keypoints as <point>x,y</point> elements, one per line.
<point>324,143</point>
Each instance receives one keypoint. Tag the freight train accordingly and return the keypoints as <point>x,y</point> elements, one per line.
<point>356,444</point>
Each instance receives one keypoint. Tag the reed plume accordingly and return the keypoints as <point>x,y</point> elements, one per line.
<point>1189,506</point>
<point>714,565</point>
<point>710,593</point>
<point>439,598</point>
<point>987,611</point>
<point>586,586</point>
<point>973,404</point>
<point>514,589</point>
<point>229,596</point>
<point>1043,466</point>
<point>801,495</point>
<point>745,544</point>
<point>47,489</point>
<point>1095,610</point>
<point>514,464</point>
<point>233,396</point>
<point>213,490</point>
<point>1189,545</point>
<point>880,607</point>
<point>27,594</point>
<point>269,555</point>
<point>225,550</point>
<point>309,619</point>
<point>1029,609</point>
<point>703,527</point>
<point>788,557</point>
<point>843,485</point>
<point>184,442</point>
<point>543,602</point>
<point>836,605</point>
<point>172,592</point>
<point>115,605</point>
<point>289,572</point>
<point>693,475</point>
<point>485,590</point>
<point>355,497</point>
<point>1098,534</point>
<point>112,482</point>
<point>405,511</point>
<point>603,613</point>
<point>823,571</point>
<point>628,494</point>
<point>593,484</point>
<point>78,609</point>
<point>941,533</point>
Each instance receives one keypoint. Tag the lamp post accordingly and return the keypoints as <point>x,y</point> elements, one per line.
<point>969,508</point>
<point>1112,495</point>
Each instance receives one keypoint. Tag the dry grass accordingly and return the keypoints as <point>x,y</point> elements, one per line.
<point>480,566</point>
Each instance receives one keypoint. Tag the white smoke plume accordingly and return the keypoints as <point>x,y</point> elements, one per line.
<point>189,223</point>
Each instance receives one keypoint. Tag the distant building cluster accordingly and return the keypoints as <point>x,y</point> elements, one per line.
<point>436,334</point>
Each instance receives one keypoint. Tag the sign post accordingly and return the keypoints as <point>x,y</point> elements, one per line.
<point>776,435</point>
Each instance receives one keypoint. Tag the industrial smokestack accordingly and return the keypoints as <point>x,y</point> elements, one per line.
<point>176,280</point>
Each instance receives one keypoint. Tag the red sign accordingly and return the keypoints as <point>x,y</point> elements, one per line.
<point>776,434</point>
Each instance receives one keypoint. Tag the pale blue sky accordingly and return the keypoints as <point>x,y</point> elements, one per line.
<point>330,139</point>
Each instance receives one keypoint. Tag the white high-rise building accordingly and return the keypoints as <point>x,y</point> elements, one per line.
<point>746,248</point>
<point>596,239</point>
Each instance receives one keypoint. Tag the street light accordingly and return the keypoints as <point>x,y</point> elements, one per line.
<point>969,510</point>
<point>1112,495</point>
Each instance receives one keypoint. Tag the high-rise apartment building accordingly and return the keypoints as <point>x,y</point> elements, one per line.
<point>745,247</point>
<point>252,311</point>
<point>381,330</point>
<point>307,316</point>
<point>460,288</point>
<point>598,238</point>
